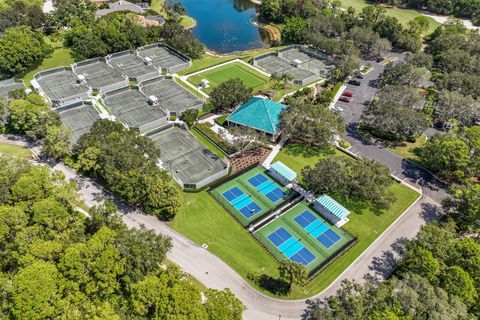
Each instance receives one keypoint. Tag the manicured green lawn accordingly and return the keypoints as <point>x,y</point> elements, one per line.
<point>209,60</point>
<point>157,6</point>
<point>406,149</point>
<point>249,76</point>
<point>403,15</point>
<point>297,156</point>
<point>60,57</point>
<point>366,222</point>
<point>203,220</point>
<point>14,150</point>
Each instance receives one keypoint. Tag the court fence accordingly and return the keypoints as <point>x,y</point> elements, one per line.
<point>185,184</point>
<point>74,98</point>
<point>106,88</point>
<point>187,61</point>
<point>230,209</point>
<point>156,72</point>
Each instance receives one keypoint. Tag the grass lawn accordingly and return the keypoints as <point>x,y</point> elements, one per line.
<point>203,220</point>
<point>209,60</point>
<point>216,76</point>
<point>157,6</point>
<point>14,150</point>
<point>60,57</point>
<point>403,15</point>
<point>297,156</point>
<point>204,141</point>
<point>406,149</point>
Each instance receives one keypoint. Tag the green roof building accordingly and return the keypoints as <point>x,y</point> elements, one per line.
<point>260,114</point>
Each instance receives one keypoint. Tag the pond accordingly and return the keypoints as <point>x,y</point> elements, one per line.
<point>225,26</point>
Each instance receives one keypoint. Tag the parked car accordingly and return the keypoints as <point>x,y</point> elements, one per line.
<point>347,94</point>
<point>354,83</point>
<point>380,59</point>
<point>345,99</point>
<point>359,76</point>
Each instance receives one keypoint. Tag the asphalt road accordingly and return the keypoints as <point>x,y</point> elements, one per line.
<point>400,167</point>
<point>375,263</point>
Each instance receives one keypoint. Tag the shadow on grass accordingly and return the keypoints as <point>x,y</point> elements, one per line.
<point>273,285</point>
<point>307,151</point>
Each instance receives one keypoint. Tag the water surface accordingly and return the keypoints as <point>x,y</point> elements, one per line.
<point>224,25</point>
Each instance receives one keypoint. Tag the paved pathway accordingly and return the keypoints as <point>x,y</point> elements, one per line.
<point>376,261</point>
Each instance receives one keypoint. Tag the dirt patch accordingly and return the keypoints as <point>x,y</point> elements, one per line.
<point>248,159</point>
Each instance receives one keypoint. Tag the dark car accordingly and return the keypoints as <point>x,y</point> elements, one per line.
<point>379,59</point>
<point>347,94</point>
<point>345,99</point>
<point>354,83</point>
<point>359,76</point>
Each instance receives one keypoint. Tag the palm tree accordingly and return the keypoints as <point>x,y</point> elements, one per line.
<point>285,78</point>
<point>292,272</point>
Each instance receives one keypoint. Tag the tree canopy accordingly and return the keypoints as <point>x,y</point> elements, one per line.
<point>57,263</point>
<point>21,50</point>
<point>127,164</point>
<point>230,94</point>
<point>310,124</point>
<point>362,179</point>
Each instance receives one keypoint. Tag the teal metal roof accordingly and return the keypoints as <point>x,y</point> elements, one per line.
<point>284,171</point>
<point>333,206</point>
<point>260,114</point>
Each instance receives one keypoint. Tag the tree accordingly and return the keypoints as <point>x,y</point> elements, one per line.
<point>310,124</point>
<point>164,295</point>
<point>447,156</point>
<point>56,143</point>
<point>464,206</point>
<point>21,50</point>
<point>292,272</point>
<point>20,13</point>
<point>94,266</point>
<point>295,30</point>
<point>453,105</point>
<point>36,292</point>
<point>223,305</point>
<point>404,74</point>
<point>393,299</point>
<point>143,251</point>
<point>136,177</point>
<point>422,262</point>
<point>190,116</point>
<point>458,282</point>
<point>362,179</point>
<point>243,139</point>
<point>175,35</point>
<point>230,94</point>
<point>31,117</point>
<point>392,121</point>
<point>346,66</point>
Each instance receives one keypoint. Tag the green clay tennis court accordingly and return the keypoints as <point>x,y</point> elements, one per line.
<point>251,195</point>
<point>303,236</point>
<point>216,76</point>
